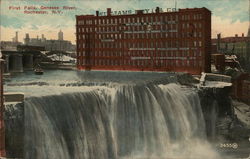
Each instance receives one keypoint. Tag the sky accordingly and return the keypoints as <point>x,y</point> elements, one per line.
<point>229,17</point>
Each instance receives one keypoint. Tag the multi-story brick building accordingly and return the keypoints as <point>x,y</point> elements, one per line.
<point>159,41</point>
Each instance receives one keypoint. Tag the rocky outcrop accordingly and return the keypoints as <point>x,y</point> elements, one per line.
<point>14,129</point>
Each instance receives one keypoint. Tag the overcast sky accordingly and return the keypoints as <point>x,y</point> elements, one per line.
<point>229,17</point>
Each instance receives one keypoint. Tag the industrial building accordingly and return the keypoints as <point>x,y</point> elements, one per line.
<point>176,40</point>
<point>50,45</point>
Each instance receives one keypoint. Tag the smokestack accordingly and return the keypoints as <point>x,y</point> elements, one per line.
<point>243,35</point>
<point>16,36</point>
<point>109,11</point>
<point>236,35</point>
<point>97,13</point>
<point>218,41</point>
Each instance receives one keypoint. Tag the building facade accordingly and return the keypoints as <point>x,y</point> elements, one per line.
<point>178,41</point>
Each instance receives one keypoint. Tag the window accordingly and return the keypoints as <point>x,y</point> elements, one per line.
<point>200,43</point>
<point>195,34</point>
<point>200,53</point>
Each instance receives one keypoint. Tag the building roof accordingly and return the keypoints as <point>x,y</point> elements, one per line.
<point>158,10</point>
<point>232,39</point>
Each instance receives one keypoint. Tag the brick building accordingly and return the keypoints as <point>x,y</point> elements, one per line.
<point>160,41</point>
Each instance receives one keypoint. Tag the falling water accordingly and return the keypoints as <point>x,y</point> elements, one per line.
<point>123,121</point>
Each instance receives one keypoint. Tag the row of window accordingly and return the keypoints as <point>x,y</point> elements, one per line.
<point>116,20</point>
<point>141,19</point>
<point>144,54</point>
<point>192,17</point>
<point>113,37</point>
<point>195,25</point>
<point>127,28</point>
<point>145,63</point>
<point>148,35</point>
<point>147,45</point>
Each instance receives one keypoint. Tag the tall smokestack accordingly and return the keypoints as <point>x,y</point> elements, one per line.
<point>16,36</point>
<point>218,41</point>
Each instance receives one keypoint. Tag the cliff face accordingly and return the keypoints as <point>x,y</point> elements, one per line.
<point>216,105</point>
<point>14,129</point>
<point>224,128</point>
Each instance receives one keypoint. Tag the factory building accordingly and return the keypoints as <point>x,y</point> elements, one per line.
<point>172,40</point>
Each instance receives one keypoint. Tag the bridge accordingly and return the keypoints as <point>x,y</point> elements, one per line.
<point>18,61</point>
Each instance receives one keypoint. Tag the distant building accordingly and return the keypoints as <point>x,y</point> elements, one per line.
<point>27,39</point>
<point>237,45</point>
<point>15,39</point>
<point>60,35</point>
<point>50,45</point>
<point>160,41</point>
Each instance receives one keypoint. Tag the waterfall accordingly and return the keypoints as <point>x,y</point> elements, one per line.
<point>117,122</point>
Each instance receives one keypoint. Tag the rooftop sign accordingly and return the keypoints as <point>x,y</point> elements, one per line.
<point>144,11</point>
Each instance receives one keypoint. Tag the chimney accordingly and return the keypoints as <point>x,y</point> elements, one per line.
<point>97,13</point>
<point>108,11</point>
<point>236,35</point>
<point>157,10</point>
<point>218,41</point>
<point>243,35</point>
<point>16,36</point>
